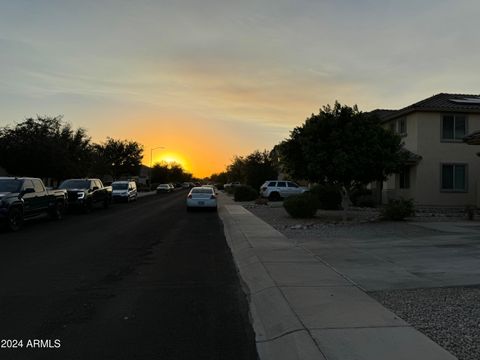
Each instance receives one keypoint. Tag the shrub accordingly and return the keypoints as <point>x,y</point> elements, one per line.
<point>398,209</point>
<point>301,206</point>
<point>362,197</point>
<point>229,190</point>
<point>364,201</point>
<point>470,211</point>
<point>245,193</point>
<point>328,196</point>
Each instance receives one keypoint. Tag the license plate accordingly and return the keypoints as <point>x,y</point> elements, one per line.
<point>201,203</point>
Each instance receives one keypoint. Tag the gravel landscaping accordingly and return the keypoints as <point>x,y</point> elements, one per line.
<point>365,223</point>
<point>450,316</point>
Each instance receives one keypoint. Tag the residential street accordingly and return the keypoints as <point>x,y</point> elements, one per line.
<point>145,280</point>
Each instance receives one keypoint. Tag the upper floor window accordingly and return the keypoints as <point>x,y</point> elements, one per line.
<point>398,126</point>
<point>454,127</point>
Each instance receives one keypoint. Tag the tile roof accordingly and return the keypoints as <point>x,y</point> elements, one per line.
<point>472,138</point>
<point>442,102</point>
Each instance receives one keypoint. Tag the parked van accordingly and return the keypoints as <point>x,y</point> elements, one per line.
<point>125,191</point>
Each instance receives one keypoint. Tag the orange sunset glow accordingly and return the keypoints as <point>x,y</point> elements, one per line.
<point>211,80</point>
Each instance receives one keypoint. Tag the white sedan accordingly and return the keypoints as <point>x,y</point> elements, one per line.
<point>202,197</point>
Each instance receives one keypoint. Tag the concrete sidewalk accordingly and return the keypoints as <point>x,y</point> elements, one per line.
<point>301,308</point>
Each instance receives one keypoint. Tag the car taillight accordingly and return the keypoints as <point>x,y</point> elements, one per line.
<point>264,188</point>
<point>190,196</point>
<point>213,197</point>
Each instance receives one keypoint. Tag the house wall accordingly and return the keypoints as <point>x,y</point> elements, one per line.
<point>391,188</point>
<point>435,152</point>
<point>424,138</point>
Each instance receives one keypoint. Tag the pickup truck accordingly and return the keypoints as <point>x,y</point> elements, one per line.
<point>84,194</point>
<point>23,198</point>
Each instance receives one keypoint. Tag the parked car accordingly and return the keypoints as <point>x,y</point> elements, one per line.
<point>187,185</point>
<point>164,188</point>
<point>232,184</point>
<point>23,198</point>
<point>202,197</point>
<point>124,191</point>
<point>276,190</point>
<point>84,194</point>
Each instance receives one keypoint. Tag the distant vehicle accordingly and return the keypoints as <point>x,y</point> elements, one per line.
<point>232,184</point>
<point>125,191</point>
<point>84,194</point>
<point>276,190</point>
<point>187,185</point>
<point>23,198</point>
<point>164,188</point>
<point>202,197</point>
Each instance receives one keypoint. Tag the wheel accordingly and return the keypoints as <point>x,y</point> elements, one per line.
<point>15,219</point>
<point>58,212</point>
<point>274,196</point>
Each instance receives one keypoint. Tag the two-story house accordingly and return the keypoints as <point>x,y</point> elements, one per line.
<point>442,170</point>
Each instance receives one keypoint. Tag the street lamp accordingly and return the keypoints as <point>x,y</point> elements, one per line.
<point>151,158</point>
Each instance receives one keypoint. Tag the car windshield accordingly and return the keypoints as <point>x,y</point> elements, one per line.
<point>10,185</point>
<point>75,184</point>
<point>120,186</point>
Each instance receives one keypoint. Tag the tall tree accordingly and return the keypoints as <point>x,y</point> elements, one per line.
<point>342,146</point>
<point>118,158</point>
<point>253,169</point>
<point>45,147</point>
<point>164,172</point>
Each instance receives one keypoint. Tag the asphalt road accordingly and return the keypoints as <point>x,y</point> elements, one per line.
<point>145,280</point>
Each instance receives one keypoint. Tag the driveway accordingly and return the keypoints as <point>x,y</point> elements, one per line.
<point>389,255</point>
<point>415,255</point>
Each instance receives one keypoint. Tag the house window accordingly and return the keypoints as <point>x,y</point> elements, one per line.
<point>454,177</point>
<point>404,178</point>
<point>454,127</point>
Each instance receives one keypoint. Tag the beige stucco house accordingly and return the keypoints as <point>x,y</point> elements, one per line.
<point>442,169</point>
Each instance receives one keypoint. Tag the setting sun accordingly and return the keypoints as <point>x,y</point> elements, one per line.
<point>170,158</point>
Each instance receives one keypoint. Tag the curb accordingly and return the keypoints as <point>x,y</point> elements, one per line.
<point>279,333</point>
<point>303,309</point>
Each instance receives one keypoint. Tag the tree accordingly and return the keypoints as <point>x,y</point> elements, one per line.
<point>45,147</point>
<point>219,178</point>
<point>342,146</point>
<point>171,172</point>
<point>118,158</point>
<point>253,169</point>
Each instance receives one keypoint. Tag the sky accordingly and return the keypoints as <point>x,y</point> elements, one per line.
<point>208,80</point>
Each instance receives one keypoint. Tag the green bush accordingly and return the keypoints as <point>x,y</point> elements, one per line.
<point>301,206</point>
<point>362,197</point>
<point>328,196</point>
<point>229,190</point>
<point>398,209</point>
<point>245,193</point>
